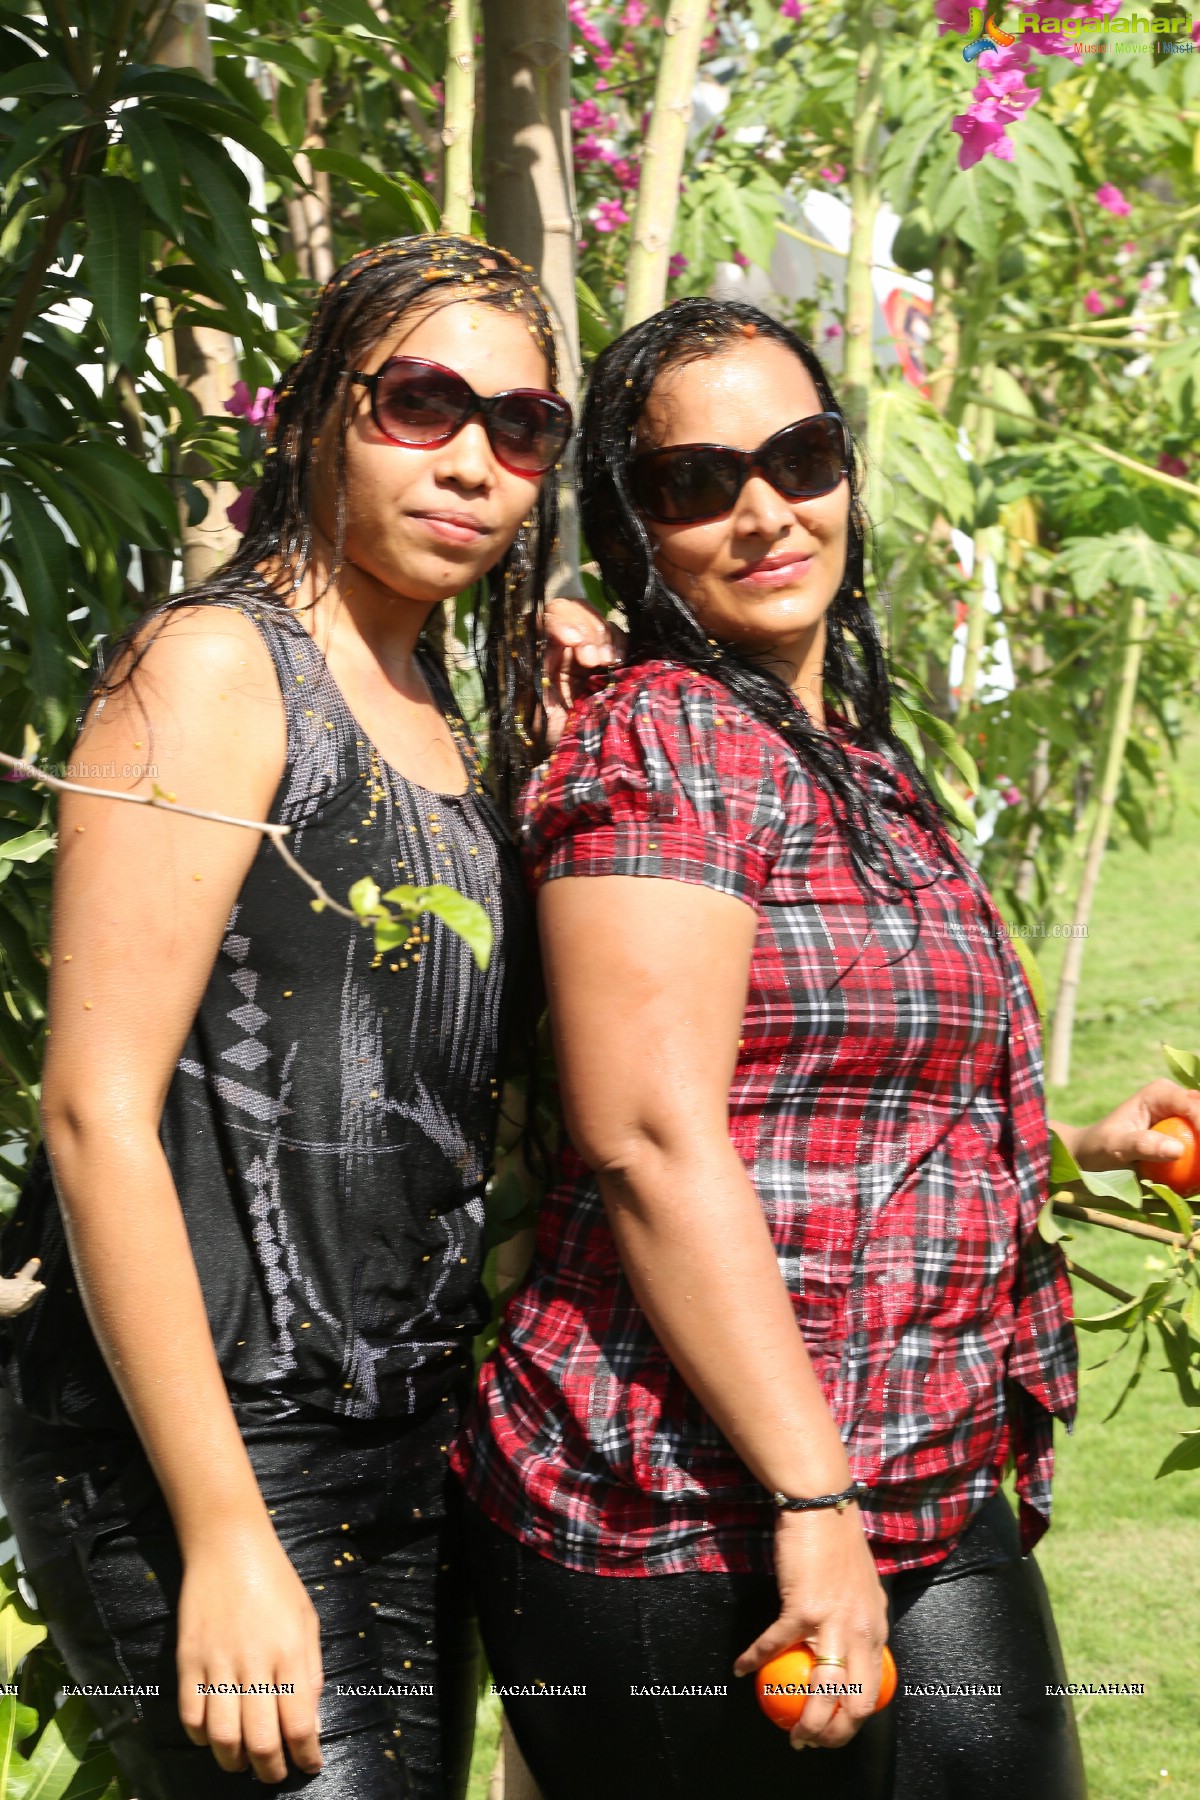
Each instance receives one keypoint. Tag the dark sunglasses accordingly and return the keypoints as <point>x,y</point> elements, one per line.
<point>686,483</point>
<point>420,404</point>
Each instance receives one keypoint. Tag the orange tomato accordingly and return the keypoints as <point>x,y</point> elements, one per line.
<point>783,1683</point>
<point>1182,1173</point>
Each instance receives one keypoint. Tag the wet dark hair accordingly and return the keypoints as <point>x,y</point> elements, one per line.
<point>662,625</point>
<point>363,301</point>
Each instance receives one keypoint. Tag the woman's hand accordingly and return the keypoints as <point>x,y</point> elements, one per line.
<point>832,1600</point>
<point>1124,1137</point>
<point>578,642</point>
<point>245,1619</point>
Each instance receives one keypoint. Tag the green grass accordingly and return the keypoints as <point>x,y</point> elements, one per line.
<point>1122,1561</point>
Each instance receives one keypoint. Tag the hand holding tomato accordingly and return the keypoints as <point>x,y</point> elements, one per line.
<point>1127,1136</point>
<point>783,1683</point>
<point>1181,1173</point>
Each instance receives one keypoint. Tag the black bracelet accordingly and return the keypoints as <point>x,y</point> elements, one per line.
<point>855,1491</point>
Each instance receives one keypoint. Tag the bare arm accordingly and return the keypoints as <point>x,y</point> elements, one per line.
<point>141,900</point>
<point>646,1029</point>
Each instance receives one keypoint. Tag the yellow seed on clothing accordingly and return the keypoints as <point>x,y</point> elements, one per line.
<point>307,1325</point>
<point>287,993</point>
<point>150,1575</point>
<point>374,1093</point>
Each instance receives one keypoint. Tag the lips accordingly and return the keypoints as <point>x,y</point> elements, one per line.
<point>452,527</point>
<point>781,570</point>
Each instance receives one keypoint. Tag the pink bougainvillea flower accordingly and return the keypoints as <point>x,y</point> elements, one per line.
<point>676,266</point>
<point>741,259</point>
<point>997,102</point>
<point>791,9</point>
<point>1172,465</point>
<point>258,410</point>
<point>239,513</point>
<point>1093,302</point>
<point>608,215</point>
<point>834,173</point>
<point>1011,796</point>
<point>1146,283</point>
<point>1129,247</point>
<point>627,173</point>
<point>633,14</point>
<point>586,116</point>
<point>1113,200</point>
<point>833,331</point>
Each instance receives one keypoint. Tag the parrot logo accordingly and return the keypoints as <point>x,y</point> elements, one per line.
<point>984,37</point>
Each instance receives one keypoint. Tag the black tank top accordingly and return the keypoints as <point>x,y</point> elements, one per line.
<point>330,1121</point>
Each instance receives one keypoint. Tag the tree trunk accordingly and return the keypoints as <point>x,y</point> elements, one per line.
<point>983,439</point>
<point>204,359</point>
<point>458,127</point>
<point>662,161</point>
<point>1125,693</point>
<point>309,217</point>
<point>859,365</point>
<point>529,182</point>
<point>1039,782</point>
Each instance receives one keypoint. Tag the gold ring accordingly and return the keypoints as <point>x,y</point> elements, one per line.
<point>831,1662</point>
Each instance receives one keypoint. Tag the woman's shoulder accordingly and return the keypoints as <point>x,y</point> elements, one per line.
<point>665,698</point>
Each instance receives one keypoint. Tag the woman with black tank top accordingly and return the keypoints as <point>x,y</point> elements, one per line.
<point>224,1426</point>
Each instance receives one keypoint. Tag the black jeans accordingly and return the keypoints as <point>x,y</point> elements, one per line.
<point>99,1549</point>
<point>980,1618</point>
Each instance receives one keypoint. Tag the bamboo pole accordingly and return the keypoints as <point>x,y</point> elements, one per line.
<point>859,364</point>
<point>662,161</point>
<point>1134,639</point>
<point>529,182</point>
<point>458,127</point>
<point>984,437</point>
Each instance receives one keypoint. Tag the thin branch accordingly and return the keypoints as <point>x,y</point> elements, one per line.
<point>27,771</point>
<point>80,73</point>
<point>791,231</point>
<point>1091,1215</point>
<point>1078,437</point>
<point>1098,1281</point>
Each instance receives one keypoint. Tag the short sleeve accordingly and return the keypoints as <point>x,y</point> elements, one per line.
<point>663,774</point>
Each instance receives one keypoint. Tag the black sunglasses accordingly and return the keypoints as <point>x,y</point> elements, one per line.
<point>419,404</point>
<point>686,483</point>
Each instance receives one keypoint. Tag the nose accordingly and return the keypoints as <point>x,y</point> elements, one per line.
<point>467,459</point>
<point>761,510</point>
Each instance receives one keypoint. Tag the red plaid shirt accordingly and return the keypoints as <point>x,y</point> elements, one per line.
<point>888,1106</point>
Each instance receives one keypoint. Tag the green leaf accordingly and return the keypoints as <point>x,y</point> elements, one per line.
<point>1184,1065</point>
<point>364,897</point>
<point>122,485</point>
<point>60,1750</point>
<point>15,1727</point>
<point>113,210</point>
<point>353,12</point>
<point>912,445</point>
<point>1185,1455</point>
<point>415,205</point>
<point>43,572</point>
<point>1179,1209</point>
<point>948,742</point>
<point>464,917</point>
<point>41,76</point>
<point>218,184</point>
<point>1190,1312</point>
<point>1048,1226</point>
<point>20,1632</point>
<point>1113,1184</point>
<point>37,135</point>
<point>158,163</point>
<point>1063,1167</point>
<point>28,847</point>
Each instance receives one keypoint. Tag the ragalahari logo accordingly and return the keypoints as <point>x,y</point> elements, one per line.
<point>984,37</point>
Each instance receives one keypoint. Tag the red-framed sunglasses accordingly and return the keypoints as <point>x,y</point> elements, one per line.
<point>419,404</point>
<point>687,483</point>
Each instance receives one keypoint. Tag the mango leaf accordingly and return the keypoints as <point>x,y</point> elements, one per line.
<point>20,1631</point>
<point>464,917</point>
<point>948,742</point>
<point>1179,1209</point>
<point>218,185</point>
<point>33,141</point>
<point>125,487</point>
<point>353,12</point>
<point>17,1722</point>
<point>59,1751</point>
<point>413,203</point>
<point>955,805</point>
<point>41,76</point>
<point>42,571</point>
<point>1048,1226</point>
<point>1184,1065</point>
<point>1185,1455</point>
<point>112,208</point>
<point>28,847</point>
<point>94,1780</point>
<point>159,165</point>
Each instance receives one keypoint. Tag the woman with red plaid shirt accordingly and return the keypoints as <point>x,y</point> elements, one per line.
<point>801,1075</point>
